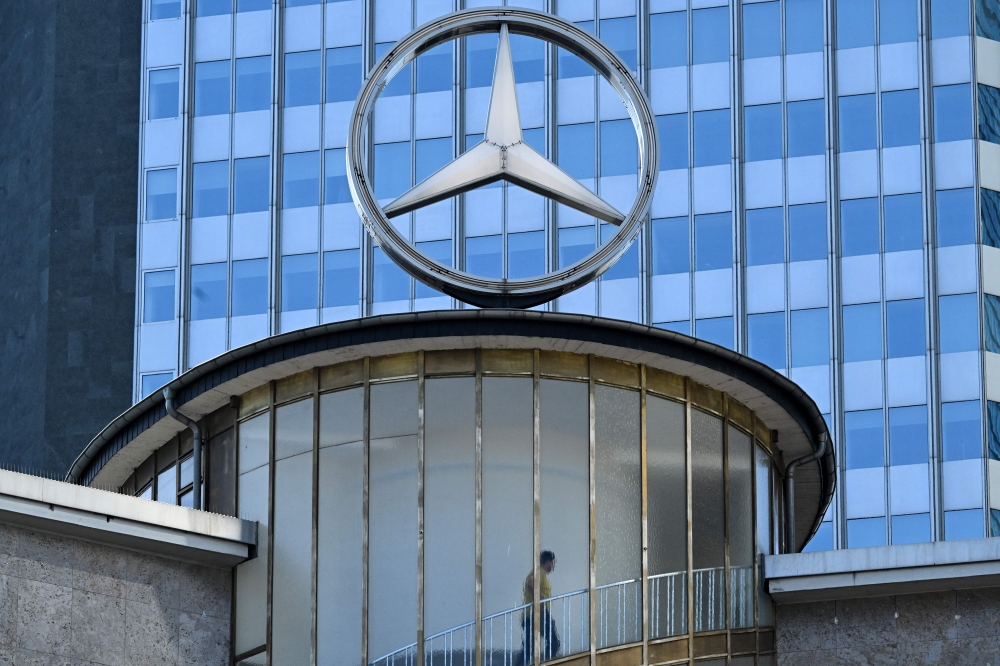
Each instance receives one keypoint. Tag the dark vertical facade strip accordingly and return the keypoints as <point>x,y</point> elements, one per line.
<point>68,164</point>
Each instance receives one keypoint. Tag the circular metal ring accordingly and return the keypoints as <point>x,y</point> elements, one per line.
<point>473,289</point>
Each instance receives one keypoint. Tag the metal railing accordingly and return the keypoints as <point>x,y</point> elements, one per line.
<point>565,626</point>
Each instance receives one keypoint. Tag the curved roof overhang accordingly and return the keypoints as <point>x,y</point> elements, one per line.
<point>127,441</point>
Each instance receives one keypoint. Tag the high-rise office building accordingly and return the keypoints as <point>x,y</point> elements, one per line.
<point>828,202</point>
<point>69,130</point>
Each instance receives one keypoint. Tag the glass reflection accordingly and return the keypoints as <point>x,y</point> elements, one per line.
<point>708,513</point>
<point>741,553</point>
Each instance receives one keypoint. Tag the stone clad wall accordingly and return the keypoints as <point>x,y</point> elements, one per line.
<point>947,628</point>
<point>74,603</point>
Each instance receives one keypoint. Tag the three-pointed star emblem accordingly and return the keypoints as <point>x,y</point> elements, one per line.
<point>503,155</point>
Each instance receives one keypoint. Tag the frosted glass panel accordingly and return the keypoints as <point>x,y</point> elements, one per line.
<point>667,517</point>
<point>618,506</point>
<point>341,417</point>
<point>392,572</point>
<point>508,509</point>
<point>450,519</point>
<point>251,576</point>
<point>291,618</point>
<point>741,555</point>
<point>294,429</point>
<point>253,444</point>
<point>765,611</point>
<point>565,516</point>
<point>708,522</point>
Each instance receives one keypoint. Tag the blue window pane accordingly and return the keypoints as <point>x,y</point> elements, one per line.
<point>671,246</point>
<point>302,78</point>
<point>966,524</point>
<point>620,35</point>
<point>164,9</point>
<point>857,123</point>
<point>627,265</point>
<point>576,150</point>
<point>336,190</point>
<point>158,296</point>
<point>865,532</point>
<point>956,217</point>
<point>432,154</point>
<point>862,332</point>
<point>439,251</point>
<point>864,441</point>
<point>898,21</point>
<point>952,113</point>
<point>299,282</point>
<point>164,93</point>
<point>761,30</point>
<point>673,131</point>
<point>711,137</point>
<point>855,23</point>
<point>152,383</point>
<point>810,338</point>
<point>989,113</point>
<point>535,138</point>
<point>253,84</point>
<point>434,69</point>
<point>904,225</point>
<point>528,55</point>
<point>859,227</point>
<point>822,540</point>
<point>989,211</point>
<point>484,256</point>
<point>959,323</point>
<point>250,287</point>
<point>401,83</point>
<point>718,330</point>
<point>676,326</point>
<point>214,7</point>
<point>211,88</point>
<point>961,438</point>
<point>304,3</point>
<point>389,281</point>
<point>301,180</point>
<point>341,278</point>
<point>343,73</point>
<point>575,243</point>
<point>210,185</point>
<point>710,28</point>
<point>252,5</point>
<point>392,169</point>
<point>904,322</point>
<point>991,322</point>
<point>807,232</point>
<point>988,21</point>
<point>765,236</point>
<point>713,246</point>
<point>806,128</point>
<point>766,338</point>
<point>525,254</point>
<point>762,135</point>
<point>571,66</point>
<point>914,528</point>
<point>900,118</point>
<point>949,18</point>
<point>480,57</point>
<point>619,148</point>
<point>208,291</point>
<point>803,26</point>
<point>161,194</point>
<point>993,430</point>
<point>908,435</point>
<point>252,178</point>
<point>668,45</point>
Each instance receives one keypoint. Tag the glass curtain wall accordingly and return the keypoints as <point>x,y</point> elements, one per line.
<point>494,508</point>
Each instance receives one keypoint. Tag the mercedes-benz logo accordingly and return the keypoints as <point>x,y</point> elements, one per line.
<point>502,155</point>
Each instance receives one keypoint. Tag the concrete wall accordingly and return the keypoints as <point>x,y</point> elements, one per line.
<point>950,628</point>
<point>75,603</point>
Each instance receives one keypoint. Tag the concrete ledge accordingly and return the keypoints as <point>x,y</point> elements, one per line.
<point>120,520</point>
<point>882,571</point>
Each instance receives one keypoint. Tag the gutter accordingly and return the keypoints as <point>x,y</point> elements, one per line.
<point>168,396</point>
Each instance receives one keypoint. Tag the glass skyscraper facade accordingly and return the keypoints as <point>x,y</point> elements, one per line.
<point>828,203</point>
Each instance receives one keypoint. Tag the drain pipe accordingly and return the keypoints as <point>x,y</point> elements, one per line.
<point>790,490</point>
<point>168,395</point>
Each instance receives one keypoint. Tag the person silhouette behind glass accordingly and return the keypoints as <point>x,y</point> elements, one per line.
<point>550,637</point>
